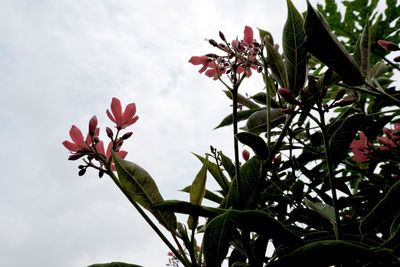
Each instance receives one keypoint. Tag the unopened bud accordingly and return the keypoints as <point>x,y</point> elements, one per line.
<point>390,46</point>
<point>276,47</point>
<point>126,135</point>
<point>92,125</point>
<point>397,59</point>
<point>325,106</point>
<point>82,172</point>
<point>327,77</point>
<point>213,42</point>
<point>287,111</point>
<point>101,173</point>
<point>346,101</point>
<point>287,95</point>
<point>81,167</point>
<point>340,94</point>
<point>259,69</point>
<point>245,155</point>
<point>75,156</point>
<point>96,139</point>
<point>211,55</point>
<point>109,132</point>
<point>222,36</point>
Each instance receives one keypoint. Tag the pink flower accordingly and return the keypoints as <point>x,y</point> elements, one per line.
<point>100,148</point>
<point>248,36</point>
<point>122,119</point>
<point>202,60</point>
<point>391,141</point>
<point>78,143</point>
<point>361,148</point>
<point>92,125</point>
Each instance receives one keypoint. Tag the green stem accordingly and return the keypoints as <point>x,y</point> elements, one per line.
<point>331,176</point>
<point>184,260</point>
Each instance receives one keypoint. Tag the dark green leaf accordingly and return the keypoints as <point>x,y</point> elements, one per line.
<point>324,45</point>
<point>324,209</point>
<point>242,115</point>
<point>257,122</point>
<point>208,195</point>
<point>332,252</point>
<point>228,165</point>
<point>385,210</point>
<point>394,238</point>
<point>256,143</point>
<point>188,208</point>
<point>242,100</point>
<point>343,136</point>
<point>294,49</point>
<point>265,33</point>
<point>365,46</point>
<point>275,62</point>
<point>137,183</point>
<point>216,173</point>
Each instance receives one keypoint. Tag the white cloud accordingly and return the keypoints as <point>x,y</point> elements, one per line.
<point>62,62</point>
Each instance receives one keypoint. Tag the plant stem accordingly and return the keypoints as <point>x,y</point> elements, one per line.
<point>183,259</point>
<point>331,176</point>
<point>235,141</point>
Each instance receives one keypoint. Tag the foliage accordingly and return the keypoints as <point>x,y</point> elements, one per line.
<point>322,187</point>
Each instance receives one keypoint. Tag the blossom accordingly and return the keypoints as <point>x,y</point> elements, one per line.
<point>248,36</point>
<point>391,140</point>
<point>100,149</point>
<point>78,143</point>
<point>122,119</point>
<point>202,60</point>
<point>361,148</point>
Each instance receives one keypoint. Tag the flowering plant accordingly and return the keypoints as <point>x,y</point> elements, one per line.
<point>321,185</point>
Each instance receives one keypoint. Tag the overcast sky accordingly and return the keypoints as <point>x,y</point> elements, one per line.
<point>61,62</point>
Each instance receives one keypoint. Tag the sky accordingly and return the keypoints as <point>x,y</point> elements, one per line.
<point>61,62</point>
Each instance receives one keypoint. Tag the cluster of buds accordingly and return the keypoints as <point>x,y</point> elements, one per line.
<point>392,139</point>
<point>239,58</point>
<point>92,148</point>
<point>390,46</point>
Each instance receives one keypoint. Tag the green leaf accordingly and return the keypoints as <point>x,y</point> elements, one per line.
<point>217,235</point>
<point>365,46</point>
<point>394,238</point>
<point>325,210</point>
<point>344,135</point>
<point>242,115</point>
<point>137,183</point>
<point>332,252</point>
<point>294,49</point>
<point>385,210</point>
<point>324,45</point>
<point>216,173</point>
<point>228,165</point>
<point>242,100</point>
<point>208,195</point>
<point>256,143</point>
<point>265,33</point>
<point>114,264</point>
<point>188,208</point>
<point>197,191</point>
<point>257,122</point>
<point>275,62</point>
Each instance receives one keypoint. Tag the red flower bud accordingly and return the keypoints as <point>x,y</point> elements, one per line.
<point>390,46</point>
<point>245,155</point>
<point>346,101</point>
<point>109,132</point>
<point>126,135</point>
<point>340,94</point>
<point>75,156</point>
<point>213,42</point>
<point>222,36</point>
<point>92,125</point>
<point>397,59</point>
<point>287,95</point>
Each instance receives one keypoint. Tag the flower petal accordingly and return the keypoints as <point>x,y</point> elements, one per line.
<point>198,60</point>
<point>248,36</point>
<point>71,146</point>
<point>116,109</point>
<point>129,112</point>
<point>77,137</point>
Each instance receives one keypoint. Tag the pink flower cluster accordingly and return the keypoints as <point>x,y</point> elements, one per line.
<point>240,57</point>
<point>92,147</point>
<point>363,150</point>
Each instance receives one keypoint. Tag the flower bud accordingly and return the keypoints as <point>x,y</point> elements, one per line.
<point>126,135</point>
<point>96,139</point>
<point>235,45</point>
<point>101,173</point>
<point>287,111</point>
<point>109,132</point>
<point>390,46</point>
<point>92,125</point>
<point>222,36</point>
<point>75,156</point>
<point>245,155</point>
<point>276,47</point>
<point>340,94</point>
<point>346,101</point>
<point>82,172</point>
<point>287,95</point>
<point>259,69</point>
<point>397,59</point>
<point>213,42</point>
